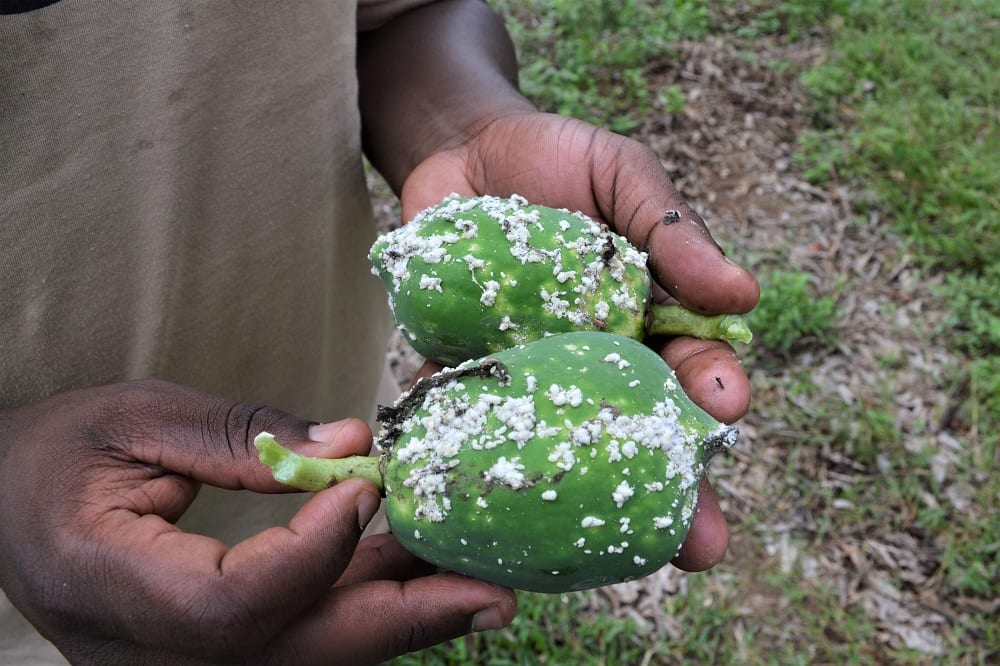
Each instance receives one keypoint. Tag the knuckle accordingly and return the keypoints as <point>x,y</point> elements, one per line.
<point>241,422</point>
<point>217,623</point>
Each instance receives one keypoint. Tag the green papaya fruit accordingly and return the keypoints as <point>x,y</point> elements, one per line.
<point>563,464</point>
<point>472,276</point>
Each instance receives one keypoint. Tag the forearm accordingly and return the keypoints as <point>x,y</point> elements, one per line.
<point>431,77</point>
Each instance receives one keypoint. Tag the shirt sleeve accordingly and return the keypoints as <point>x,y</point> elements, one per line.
<point>373,13</point>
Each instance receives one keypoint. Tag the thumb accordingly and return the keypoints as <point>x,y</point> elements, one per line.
<point>210,439</point>
<point>636,196</point>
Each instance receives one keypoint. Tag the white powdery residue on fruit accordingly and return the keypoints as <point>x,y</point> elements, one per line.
<point>663,522</point>
<point>543,430</point>
<point>414,449</point>
<point>554,305</point>
<point>624,298</point>
<point>629,449</point>
<point>622,493</point>
<point>616,268</point>
<point>654,487</point>
<point>602,310</point>
<point>563,457</point>
<point>467,228</point>
<point>617,359</point>
<point>509,473</point>
<point>482,503</point>
<point>724,435</point>
<point>661,431</point>
<point>579,318</point>
<point>490,291</point>
<point>563,276</point>
<point>687,511</point>
<point>449,422</point>
<point>474,263</point>
<point>561,397</point>
<point>586,433</point>
<point>427,487</point>
<point>550,495</point>
<point>532,382</point>
<point>639,561</point>
<point>591,521</point>
<point>518,415</point>
<point>406,243</point>
<point>506,324</point>
<point>614,451</point>
<point>431,283</point>
<point>623,525</point>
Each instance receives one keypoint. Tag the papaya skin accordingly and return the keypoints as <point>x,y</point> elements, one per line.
<point>472,276</point>
<point>564,464</point>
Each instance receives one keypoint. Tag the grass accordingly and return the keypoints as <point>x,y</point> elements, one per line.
<point>791,310</point>
<point>902,106</point>
<point>539,636</point>
<point>589,59</point>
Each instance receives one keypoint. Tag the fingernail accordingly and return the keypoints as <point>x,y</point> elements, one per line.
<point>368,505</point>
<point>325,432</point>
<point>488,619</point>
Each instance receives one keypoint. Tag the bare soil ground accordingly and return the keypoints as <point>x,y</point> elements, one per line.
<point>731,154</point>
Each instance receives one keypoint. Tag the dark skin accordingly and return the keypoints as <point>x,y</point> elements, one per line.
<point>91,481</point>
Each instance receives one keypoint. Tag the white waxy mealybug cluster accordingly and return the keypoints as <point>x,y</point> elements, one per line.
<point>622,493</point>
<point>560,396</point>
<point>509,473</point>
<point>433,283</point>
<point>519,221</point>
<point>490,291</point>
<point>454,420</point>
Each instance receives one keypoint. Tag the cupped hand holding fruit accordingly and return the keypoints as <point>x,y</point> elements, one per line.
<point>566,163</point>
<point>91,484</point>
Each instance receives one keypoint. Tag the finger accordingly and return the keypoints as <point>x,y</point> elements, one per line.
<point>205,437</point>
<point>685,260</point>
<point>375,621</point>
<point>712,375</point>
<point>432,180</point>
<point>634,194</point>
<point>382,557</point>
<point>223,601</point>
<point>338,439</point>
<point>708,536</point>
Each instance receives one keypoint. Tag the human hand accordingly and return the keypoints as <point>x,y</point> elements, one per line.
<point>565,163</point>
<point>91,483</point>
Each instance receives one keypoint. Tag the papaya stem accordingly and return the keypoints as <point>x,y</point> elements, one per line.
<point>678,320</point>
<point>314,474</point>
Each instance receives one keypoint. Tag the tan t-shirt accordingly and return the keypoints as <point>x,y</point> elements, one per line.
<point>182,196</point>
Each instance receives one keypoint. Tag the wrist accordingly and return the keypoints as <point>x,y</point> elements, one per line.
<point>431,79</point>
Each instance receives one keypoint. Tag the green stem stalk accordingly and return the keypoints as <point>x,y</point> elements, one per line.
<point>314,474</point>
<point>678,320</point>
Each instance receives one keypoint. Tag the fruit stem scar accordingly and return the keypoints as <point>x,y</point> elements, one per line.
<point>393,416</point>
